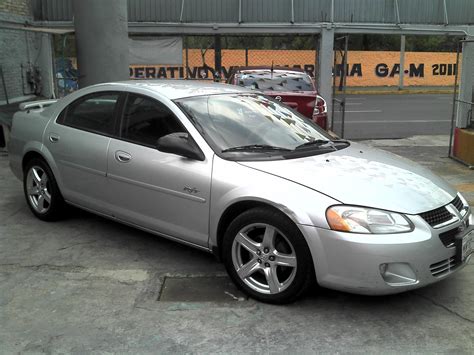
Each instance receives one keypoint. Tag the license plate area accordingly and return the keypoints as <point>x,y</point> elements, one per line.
<point>465,245</point>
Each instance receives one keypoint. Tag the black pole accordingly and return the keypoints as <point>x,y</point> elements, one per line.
<point>217,57</point>
<point>4,86</point>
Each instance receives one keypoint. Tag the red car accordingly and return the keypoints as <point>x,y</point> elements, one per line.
<point>292,86</point>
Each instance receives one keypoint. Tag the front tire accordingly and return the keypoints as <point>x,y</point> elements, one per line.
<point>41,191</point>
<point>267,257</point>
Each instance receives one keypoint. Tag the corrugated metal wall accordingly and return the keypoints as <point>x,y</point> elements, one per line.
<point>422,11</point>
<point>153,10</point>
<point>365,11</point>
<point>306,11</point>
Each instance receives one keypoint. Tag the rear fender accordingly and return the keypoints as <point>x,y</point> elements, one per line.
<point>40,148</point>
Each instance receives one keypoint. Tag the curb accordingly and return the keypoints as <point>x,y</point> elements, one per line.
<point>397,92</point>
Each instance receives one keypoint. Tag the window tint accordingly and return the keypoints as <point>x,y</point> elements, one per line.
<point>92,113</point>
<point>146,120</point>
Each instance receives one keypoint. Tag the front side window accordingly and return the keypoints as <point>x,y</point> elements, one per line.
<point>95,113</point>
<point>146,120</point>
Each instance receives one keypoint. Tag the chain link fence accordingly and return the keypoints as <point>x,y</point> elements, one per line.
<point>206,58</point>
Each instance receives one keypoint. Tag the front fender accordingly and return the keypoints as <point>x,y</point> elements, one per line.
<point>233,183</point>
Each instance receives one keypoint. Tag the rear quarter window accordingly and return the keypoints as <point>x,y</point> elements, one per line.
<point>94,113</point>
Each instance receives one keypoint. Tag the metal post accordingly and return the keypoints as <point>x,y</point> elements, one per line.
<point>44,60</point>
<point>102,55</point>
<point>465,83</point>
<point>343,103</point>
<point>402,62</point>
<point>187,56</point>
<point>325,54</point>
<point>453,113</point>
<point>4,86</point>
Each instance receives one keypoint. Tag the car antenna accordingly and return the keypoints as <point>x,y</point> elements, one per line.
<point>271,71</point>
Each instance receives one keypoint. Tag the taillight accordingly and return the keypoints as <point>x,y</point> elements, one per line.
<point>320,112</point>
<point>321,106</point>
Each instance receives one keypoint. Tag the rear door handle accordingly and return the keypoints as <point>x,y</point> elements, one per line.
<point>53,138</point>
<point>122,157</point>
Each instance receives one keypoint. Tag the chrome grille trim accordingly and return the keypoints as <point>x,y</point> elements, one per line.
<point>458,203</point>
<point>443,267</point>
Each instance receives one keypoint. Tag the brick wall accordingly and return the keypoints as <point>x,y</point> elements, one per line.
<point>16,7</point>
<point>18,49</point>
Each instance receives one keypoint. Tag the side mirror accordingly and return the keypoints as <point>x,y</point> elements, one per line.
<point>180,144</point>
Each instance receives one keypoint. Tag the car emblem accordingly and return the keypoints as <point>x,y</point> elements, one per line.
<point>278,98</point>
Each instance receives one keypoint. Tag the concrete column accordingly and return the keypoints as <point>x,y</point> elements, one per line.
<point>326,61</point>
<point>101,40</point>
<point>465,83</point>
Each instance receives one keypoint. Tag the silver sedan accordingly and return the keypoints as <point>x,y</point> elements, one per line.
<point>235,173</point>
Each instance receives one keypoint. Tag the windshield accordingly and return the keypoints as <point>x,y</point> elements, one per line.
<point>276,81</point>
<point>252,124</point>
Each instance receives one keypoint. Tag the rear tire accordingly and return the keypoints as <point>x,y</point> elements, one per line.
<point>267,257</point>
<point>41,191</point>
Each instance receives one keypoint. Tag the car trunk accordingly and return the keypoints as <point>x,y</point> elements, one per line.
<point>302,101</point>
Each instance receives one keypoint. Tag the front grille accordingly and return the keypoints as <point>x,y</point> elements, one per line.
<point>443,267</point>
<point>437,216</point>
<point>448,237</point>
<point>458,204</point>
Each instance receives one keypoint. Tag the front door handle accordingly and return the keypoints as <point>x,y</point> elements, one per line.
<point>53,138</point>
<point>122,157</point>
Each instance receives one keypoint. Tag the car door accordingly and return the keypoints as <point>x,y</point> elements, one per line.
<point>78,141</point>
<point>159,191</point>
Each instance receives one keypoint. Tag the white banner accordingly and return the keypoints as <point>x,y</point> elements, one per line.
<point>163,50</point>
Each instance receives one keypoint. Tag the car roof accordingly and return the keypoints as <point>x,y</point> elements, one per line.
<point>177,89</point>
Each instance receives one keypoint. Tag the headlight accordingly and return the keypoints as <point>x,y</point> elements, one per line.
<point>366,220</point>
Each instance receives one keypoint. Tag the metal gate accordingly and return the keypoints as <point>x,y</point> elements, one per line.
<point>339,74</point>
<point>457,103</point>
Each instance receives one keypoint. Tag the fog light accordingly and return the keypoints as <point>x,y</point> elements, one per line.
<point>398,274</point>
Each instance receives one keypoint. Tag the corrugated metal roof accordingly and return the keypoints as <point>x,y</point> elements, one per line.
<point>431,12</point>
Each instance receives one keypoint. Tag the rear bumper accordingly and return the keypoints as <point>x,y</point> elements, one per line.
<point>321,119</point>
<point>355,262</point>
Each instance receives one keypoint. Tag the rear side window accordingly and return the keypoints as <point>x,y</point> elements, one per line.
<point>146,120</point>
<point>95,113</point>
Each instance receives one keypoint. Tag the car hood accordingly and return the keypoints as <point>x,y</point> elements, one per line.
<point>364,176</point>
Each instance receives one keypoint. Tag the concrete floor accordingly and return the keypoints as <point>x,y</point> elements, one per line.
<point>87,284</point>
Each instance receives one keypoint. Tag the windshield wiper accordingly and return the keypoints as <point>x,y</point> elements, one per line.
<point>255,147</point>
<point>316,143</point>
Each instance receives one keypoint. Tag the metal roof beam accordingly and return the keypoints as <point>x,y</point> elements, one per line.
<point>273,28</point>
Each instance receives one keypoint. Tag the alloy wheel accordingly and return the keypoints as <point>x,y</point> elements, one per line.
<point>264,258</point>
<point>38,189</point>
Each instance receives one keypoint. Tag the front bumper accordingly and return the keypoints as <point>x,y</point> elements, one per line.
<point>355,262</point>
